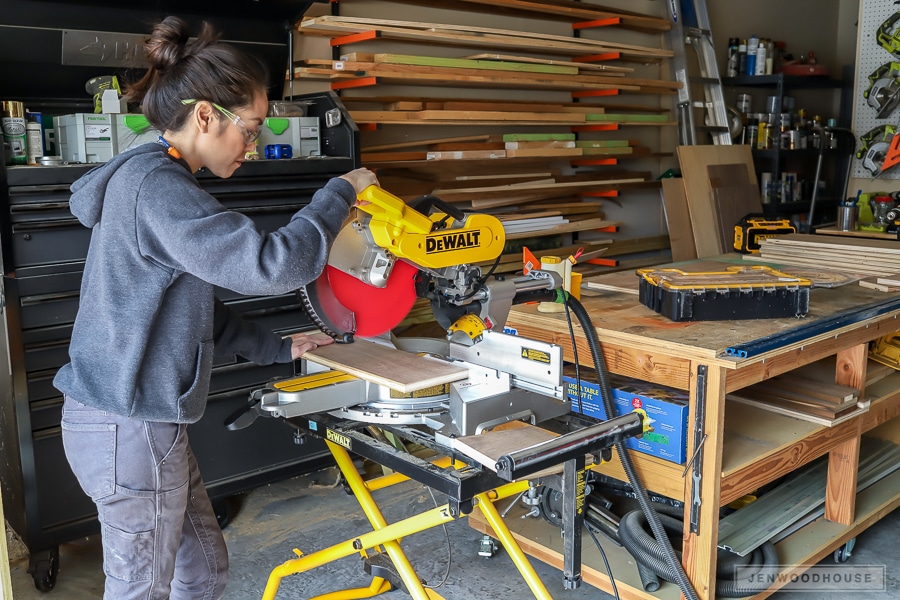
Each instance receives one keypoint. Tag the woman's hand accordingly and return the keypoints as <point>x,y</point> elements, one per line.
<point>360,179</point>
<point>304,342</point>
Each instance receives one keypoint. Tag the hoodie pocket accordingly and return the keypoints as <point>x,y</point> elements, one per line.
<point>192,402</point>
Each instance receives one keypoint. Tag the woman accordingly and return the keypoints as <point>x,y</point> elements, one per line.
<point>143,340</point>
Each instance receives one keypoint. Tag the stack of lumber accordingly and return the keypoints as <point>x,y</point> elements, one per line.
<point>544,162</point>
<point>804,398</point>
<point>419,111</point>
<point>854,255</point>
<point>718,189</point>
<point>500,146</point>
<point>882,284</point>
<point>465,72</point>
<point>567,10</point>
<point>481,37</point>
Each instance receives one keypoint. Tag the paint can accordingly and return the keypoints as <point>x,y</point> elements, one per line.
<point>766,188</point>
<point>34,138</point>
<point>789,187</point>
<point>12,122</point>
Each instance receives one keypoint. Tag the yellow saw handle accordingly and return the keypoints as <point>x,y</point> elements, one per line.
<point>410,235</point>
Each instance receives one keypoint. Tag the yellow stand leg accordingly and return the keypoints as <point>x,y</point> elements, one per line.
<point>389,536</point>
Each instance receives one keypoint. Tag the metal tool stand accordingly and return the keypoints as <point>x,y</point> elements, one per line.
<point>466,485</point>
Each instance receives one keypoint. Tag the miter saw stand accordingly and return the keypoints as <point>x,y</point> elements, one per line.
<point>339,408</point>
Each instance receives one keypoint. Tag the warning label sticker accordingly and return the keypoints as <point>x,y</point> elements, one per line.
<point>536,355</point>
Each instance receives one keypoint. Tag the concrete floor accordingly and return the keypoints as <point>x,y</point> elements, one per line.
<point>309,514</point>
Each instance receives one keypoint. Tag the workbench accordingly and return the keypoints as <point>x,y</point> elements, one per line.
<point>745,447</point>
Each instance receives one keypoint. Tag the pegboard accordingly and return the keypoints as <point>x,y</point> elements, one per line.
<point>871,55</point>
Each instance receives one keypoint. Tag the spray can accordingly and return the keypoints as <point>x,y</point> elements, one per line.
<point>752,49</point>
<point>761,58</point>
<point>34,137</point>
<point>13,125</point>
<point>732,68</point>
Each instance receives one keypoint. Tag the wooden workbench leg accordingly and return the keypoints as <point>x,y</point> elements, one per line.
<point>843,461</point>
<point>699,557</point>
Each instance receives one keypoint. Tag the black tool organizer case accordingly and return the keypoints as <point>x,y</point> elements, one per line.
<point>756,292</point>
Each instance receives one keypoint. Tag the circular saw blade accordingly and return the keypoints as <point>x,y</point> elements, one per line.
<point>342,306</point>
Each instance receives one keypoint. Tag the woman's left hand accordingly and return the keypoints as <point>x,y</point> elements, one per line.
<point>304,342</point>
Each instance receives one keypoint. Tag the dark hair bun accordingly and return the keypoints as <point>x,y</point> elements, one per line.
<point>168,43</point>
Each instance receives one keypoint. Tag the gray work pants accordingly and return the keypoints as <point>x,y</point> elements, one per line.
<point>160,535</point>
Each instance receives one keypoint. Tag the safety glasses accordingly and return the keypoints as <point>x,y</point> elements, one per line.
<point>250,135</point>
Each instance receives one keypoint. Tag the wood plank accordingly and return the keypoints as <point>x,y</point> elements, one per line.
<point>488,447</point>
<point>735,197</point>
<point>678,220</point>
<point>401,371</point>
<point>462,63</point>
<point>695,161</point>
<point>583,11</point>
<point>585,225</point>
<point>448,30</point>
<point>381,116</point>
<point>426,142</point>
<point>581,65</point>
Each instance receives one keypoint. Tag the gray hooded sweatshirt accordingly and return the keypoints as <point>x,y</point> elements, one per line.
<point>142,345</point>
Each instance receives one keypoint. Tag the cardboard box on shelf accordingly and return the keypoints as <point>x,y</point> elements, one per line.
<point>666,406</point>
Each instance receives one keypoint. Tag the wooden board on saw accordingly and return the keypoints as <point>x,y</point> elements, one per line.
<point>487,448</point>
<point>401,371</point>
<point>695,162</point>
<point>678,220</point>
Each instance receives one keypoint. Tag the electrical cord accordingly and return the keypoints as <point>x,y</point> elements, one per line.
<point>668,552</point>
<point>449,547</point>
<point>612,580</point>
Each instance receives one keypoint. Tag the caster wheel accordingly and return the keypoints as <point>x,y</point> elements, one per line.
<point>223,510</point>
<point>44,567</point>
<point>843,554</point>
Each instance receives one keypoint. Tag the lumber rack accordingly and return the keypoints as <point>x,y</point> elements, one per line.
<point>467,485</point>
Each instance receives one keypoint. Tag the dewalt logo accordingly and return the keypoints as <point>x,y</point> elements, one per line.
<point>535,355</point>
<point>337,438</point>
<point>446,242</point>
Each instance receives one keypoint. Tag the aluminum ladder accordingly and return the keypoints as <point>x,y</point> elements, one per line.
<point>690,27</point>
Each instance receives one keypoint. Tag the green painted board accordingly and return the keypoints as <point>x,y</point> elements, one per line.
<point>467,63</point>
<point>627,118</point>
<point>602,144</point>
<point>538,137</point>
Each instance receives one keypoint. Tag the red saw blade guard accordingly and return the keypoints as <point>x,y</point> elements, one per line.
<point>377,310</point>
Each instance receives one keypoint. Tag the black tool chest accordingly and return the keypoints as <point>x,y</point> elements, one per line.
<point>43,251</point>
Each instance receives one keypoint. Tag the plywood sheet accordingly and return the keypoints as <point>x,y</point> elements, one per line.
<point>678,220</point>
<point>695,162</point>
<point>488,447</point>
<point>398,370</point>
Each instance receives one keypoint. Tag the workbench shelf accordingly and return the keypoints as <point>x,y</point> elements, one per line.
<point>745,447</point>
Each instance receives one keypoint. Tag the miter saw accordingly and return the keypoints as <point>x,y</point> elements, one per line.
<point>382,260</point>
<point>394,252</point>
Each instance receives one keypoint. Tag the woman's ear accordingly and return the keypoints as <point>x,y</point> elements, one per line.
<point>203,116</point>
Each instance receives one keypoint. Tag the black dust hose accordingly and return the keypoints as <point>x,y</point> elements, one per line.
<point>757,569</point>
<point>665,546</point>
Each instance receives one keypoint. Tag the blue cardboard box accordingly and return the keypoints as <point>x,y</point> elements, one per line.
<point>667,407</point>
